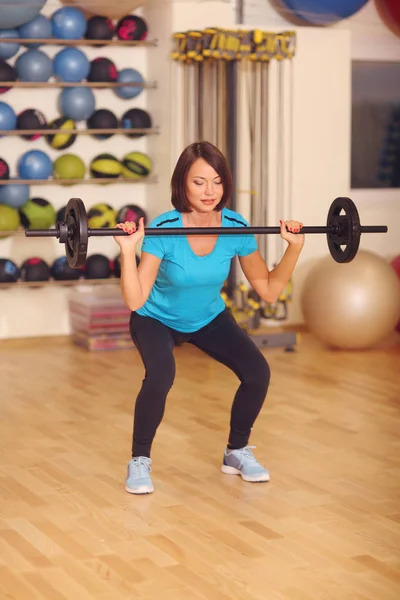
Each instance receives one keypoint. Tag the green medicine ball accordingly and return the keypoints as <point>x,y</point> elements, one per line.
<point>37,213</point>
<point>105,166</point>
<point>69,166</point>
<point>61,141</point>
<point>136,165</point>
<point>9,219</point>
<point>101,215</point>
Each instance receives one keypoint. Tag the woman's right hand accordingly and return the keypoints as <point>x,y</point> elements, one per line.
<point>135,234</point>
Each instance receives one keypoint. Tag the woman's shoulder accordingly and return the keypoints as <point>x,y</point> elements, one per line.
<point>170,218</point>
<point>232,218</point>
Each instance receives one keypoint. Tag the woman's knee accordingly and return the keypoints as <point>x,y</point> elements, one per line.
<point>160,375</point>
<point>257,372</point>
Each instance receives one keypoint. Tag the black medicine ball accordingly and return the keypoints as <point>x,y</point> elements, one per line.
<point>9,272</point>
<point>102,119</point>
<point>7,73</point>
<point>61,214</point>
<point>132,213</point>
<point>61,271</point>
<point>102,69</point>
<point>132,27</point>
<point>99,28</point>
<point>4,169</point>
<point>61,141</point>
<point>136,118</point>
<point>35,269</point>
<point>31,118</point>
<point>97,266</point>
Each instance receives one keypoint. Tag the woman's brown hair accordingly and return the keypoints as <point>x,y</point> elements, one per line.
<point>214,158</point>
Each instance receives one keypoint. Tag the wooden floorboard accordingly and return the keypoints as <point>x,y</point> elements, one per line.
<point>326,527</point>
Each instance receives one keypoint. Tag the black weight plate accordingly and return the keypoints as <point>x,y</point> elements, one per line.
<point>77,243</point>
<point>345,231</point>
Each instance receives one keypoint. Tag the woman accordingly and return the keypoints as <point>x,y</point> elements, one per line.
<point>174,296</point>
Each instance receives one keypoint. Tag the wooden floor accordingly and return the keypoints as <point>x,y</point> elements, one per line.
<point>326,527</point>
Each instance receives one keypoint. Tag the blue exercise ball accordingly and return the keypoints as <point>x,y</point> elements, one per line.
<point>35,164</point>
<point>39,28</point>
<point>322,12</point>
<point>71,64</point>
<point>77,103</point>
<point>69,23</point>
<point>9,49</point>
<point>14,13</point>
<point>129,76</point>
<point>14,195</point>
<point>8,118</point>
<point>34,65</point>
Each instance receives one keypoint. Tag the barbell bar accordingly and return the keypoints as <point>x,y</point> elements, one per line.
<point>343,231</point>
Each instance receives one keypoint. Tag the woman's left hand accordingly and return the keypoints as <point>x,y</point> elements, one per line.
<point>290,232</point>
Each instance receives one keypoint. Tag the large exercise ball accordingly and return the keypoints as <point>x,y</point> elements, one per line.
<point>389,12</point>
<point>395,263</point>
<point>320,12</point>
<point>105,8</point>
<point>77,103</point>
<point>34,65</point>
<point>14,13</point>
<point>9,49</point>
<point>351,305</point>
<point>39,29</point>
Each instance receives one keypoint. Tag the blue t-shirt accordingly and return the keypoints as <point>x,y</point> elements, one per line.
<point>187,292</point>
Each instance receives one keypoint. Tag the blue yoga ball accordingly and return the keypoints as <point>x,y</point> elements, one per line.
<point>14,13</point>
<point>34,65</point>
<point>71,64</point>
<point>39,28</point>
<point>8,118</point>
<point>69,23</point>
<point>35,164</point>
<point>129,76</point>
<point>323,12</point>
<point>14,195</point>
<point>9,49</point>
<point>77,103</point>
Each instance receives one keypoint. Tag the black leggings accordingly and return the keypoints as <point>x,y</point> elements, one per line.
<point>221,339</point>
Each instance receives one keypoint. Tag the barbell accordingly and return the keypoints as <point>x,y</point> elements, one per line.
<point>343,231</point>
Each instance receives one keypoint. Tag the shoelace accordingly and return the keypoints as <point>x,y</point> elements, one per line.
<point>247,453</point>
<point>141,466</point>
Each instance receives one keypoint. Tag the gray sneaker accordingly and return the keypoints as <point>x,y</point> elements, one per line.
<point>242,462</point>
<point>138,480</point>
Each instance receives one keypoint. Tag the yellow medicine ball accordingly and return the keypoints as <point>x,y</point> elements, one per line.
<point>105,166</point>
<point>102,215</point>
<point>136,165</point>
<point>61,141</point>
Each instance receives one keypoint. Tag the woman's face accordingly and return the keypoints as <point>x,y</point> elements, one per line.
<point>204,189</point>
